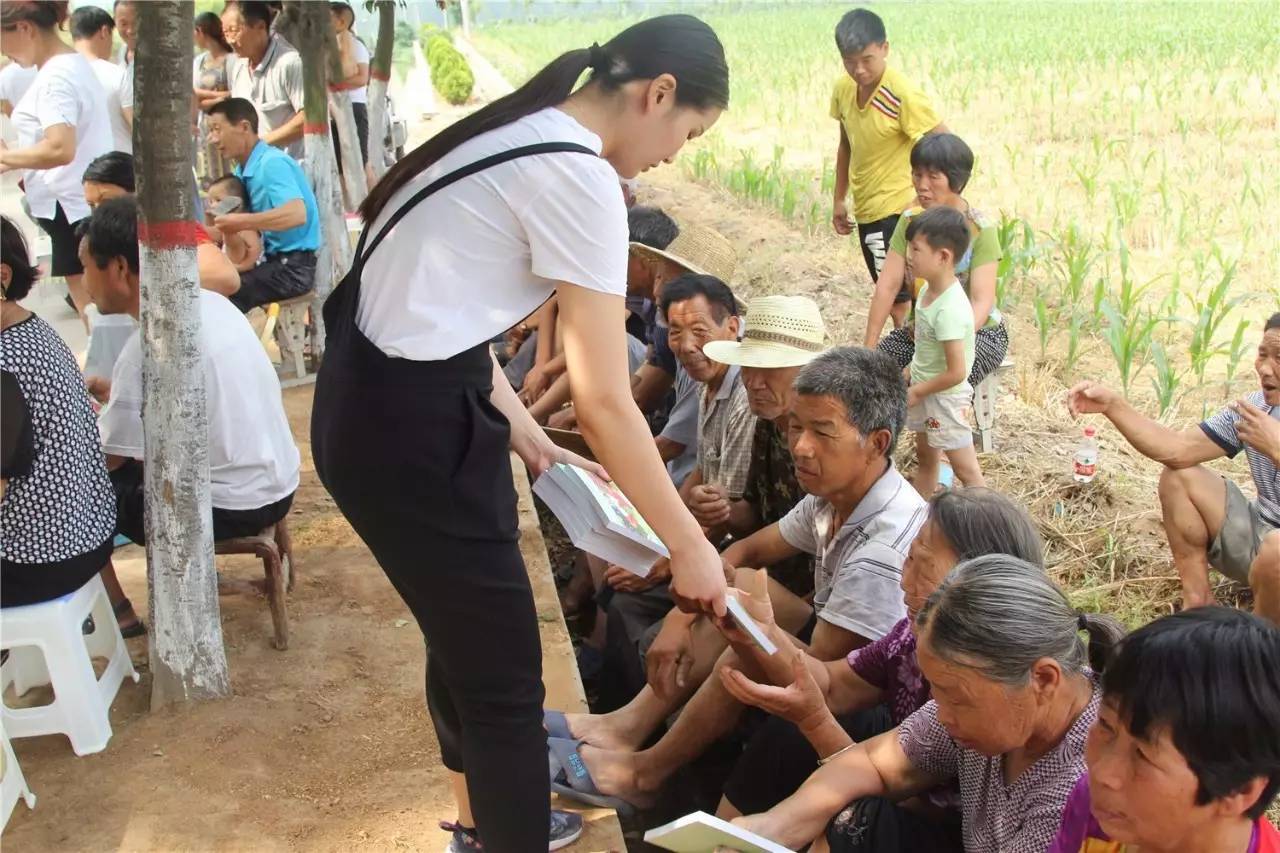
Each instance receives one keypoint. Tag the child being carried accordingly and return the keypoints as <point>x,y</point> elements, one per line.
<point>243,248</point>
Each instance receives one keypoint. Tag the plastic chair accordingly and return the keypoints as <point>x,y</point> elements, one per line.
<point>984,407</point>
<point>13,785</point>
<point>47,646</point>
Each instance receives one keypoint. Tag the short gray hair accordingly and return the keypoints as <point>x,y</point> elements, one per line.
<point>867,382</point>
<point>999,615</point>
<point>857,29</point>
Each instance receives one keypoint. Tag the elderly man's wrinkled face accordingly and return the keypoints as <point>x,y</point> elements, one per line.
<point>770,390</point>
<point>693,323</point>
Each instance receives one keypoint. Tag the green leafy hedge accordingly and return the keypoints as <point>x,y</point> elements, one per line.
<point>450,73</point>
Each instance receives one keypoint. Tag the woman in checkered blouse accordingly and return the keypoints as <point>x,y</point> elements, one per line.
<point>1014,695</point>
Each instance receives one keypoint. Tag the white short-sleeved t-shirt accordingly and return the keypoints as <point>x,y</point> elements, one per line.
<point>253,461</point>
<point>111,76</point>
<point>858,571</point>
<point>477,257</point>
<point>65,91</point>
<point>361,95</point>
<point>14,81</point>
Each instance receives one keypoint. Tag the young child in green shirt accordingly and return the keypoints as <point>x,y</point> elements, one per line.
<point>939,396</point>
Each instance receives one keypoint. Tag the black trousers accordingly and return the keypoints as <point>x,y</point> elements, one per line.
<point>778,759</point>
<point>361,114</point>
<point>878,825</point>
<point>416,457</point>
<point>873,237</point>
<point>227,523</point>
<point>280,276</point>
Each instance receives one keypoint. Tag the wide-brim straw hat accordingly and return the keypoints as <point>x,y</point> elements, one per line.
<point>781,331</point>
<point>698,249</point>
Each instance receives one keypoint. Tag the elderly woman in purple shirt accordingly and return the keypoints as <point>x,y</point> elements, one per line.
<point>825,706</point>
<point>1014,695</point>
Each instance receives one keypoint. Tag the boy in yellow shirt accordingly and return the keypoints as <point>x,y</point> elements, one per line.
<point>882,115</point>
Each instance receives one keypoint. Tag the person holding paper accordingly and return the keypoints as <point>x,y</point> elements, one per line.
<point>414,422</point>
<point>820,706</point>
<point>858,521</point>
<point>763,366</point>
<point>1015,692</point>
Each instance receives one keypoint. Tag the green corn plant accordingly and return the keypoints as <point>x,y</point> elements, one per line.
<point>1209,314</point>
<point>1046,316</point>
<point>1074,259</point>
<point>1166,380</point>
<point>1235,354</point>
<point>1075,329</point>
<point>1129,338</point>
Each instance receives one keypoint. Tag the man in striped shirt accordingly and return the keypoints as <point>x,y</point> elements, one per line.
<point>1207,518</point>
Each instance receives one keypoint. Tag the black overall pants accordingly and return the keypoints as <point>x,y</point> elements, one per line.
<point>416,458</point>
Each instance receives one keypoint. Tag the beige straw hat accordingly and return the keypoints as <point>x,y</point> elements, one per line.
<point>781,331</point>
<point>698,249</point>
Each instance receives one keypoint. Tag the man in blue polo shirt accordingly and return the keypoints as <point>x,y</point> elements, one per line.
<point>283,208</point>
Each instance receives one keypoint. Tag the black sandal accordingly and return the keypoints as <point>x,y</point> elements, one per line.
<point>137,628</point>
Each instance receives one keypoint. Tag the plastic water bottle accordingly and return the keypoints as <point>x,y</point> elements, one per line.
<point>1086,461</point>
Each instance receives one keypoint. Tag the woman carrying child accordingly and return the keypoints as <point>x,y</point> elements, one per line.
<point>941,164</point>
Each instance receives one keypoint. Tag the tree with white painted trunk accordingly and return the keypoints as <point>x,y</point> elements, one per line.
<point>187,657</point>
<point>313,33</point>
<point>344,118</point>
<point>379,76</point>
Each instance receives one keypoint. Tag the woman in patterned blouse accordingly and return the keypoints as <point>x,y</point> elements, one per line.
<point>1014,696</point>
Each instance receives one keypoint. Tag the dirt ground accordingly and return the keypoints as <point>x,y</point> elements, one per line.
<point>326,746</point>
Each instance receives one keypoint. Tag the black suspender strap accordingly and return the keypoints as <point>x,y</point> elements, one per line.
<point>453,177</point>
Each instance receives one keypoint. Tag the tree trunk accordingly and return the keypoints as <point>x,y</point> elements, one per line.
<point>353,179</point>
<point>344,118</point>
<point>188,660</point>
<point>313,32</point>
<point>379,77</point>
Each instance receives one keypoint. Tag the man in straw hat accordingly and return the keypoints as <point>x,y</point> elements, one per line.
<point>781,335</point>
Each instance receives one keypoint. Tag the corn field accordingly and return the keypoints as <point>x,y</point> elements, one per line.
<point>1128,151</point>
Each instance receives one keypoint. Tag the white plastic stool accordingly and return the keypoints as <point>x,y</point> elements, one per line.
<point>13,785</point>
<point>47,646</point>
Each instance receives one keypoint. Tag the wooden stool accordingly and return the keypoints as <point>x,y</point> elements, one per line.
<point>291,333</point>
<point>274,547</point>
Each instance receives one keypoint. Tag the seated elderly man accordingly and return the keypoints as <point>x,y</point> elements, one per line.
<point>700,309</point>
<point>858,521</point>
<point>1207,518</point>
<point>253,461</point>
<point>282,207</point>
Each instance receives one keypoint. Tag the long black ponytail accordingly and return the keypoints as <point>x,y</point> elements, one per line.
<point>679,45</point>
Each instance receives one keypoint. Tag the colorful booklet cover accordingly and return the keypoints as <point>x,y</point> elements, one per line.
<point>599,519</point>
<point>703,833</point>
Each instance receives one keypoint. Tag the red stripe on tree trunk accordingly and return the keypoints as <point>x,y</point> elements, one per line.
<point>384,76</point>
<point>317,128</point>
<point>168,235</point>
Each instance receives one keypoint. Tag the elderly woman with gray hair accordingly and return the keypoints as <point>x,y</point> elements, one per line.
<point>1015,692</point>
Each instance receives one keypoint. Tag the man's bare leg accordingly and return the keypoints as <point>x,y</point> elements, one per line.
<point>1194,503</point>
<point>631,725</point>
<point>638,776</point>
<point>1264,578</point>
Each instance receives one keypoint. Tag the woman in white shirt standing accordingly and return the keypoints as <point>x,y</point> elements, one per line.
<point>62,125</point>
<point>413,419</point>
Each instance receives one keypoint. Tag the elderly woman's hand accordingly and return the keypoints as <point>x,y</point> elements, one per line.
<point>800,702</point>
